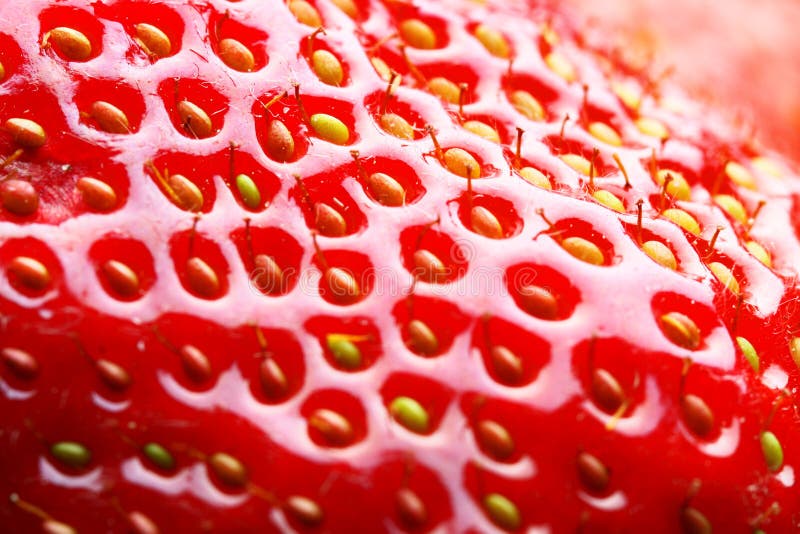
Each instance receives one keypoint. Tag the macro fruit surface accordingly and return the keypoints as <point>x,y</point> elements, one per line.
<point>362,266</point>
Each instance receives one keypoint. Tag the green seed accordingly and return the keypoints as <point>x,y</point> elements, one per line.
<point>410,414</point>
<point>251,196</point>
<point>159,456</point>
<point>773,452</point>
<point>330,128</point>
<point>502,511</point>
<point>71,453</point>
<point>749,352</point>
<point>344,351</point>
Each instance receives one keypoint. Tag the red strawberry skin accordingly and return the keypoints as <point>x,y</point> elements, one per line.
<point>216,317</point>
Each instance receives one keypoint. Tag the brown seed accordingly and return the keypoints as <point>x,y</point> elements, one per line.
<point>305,13</point>
<point>194,120</point>
<point>697,415</point>
<point>421,338</point>
<point>386,190</point>
<point>494,439</point>
<point>485,223</point>
<point>19,197</point>
<point>444,89</point>
<point>417,34</point>
<point>343,287</point>
<point>201,277</point>
<point>592,472</point>
<point>51,526</point>
<point>280,143</point>
<point>506,365</point>
<point>397,126</point>
<point>26,133</point>
<point>186,194</point>
<point>304,510</point>
<point>122,279</point>
<point>606,391</point>
<point>584,250</point>
<point>72,44</point>
<point>229,470</point>
<point>329,222</point>
<point>20,362</point>
<point>268,276</point>
<point>110,118</point>
<point>460,162</point>
<point>680,330</point>
<point>236,55</point>
<point>96,194</point>
<point>195,364</point>
<point>334,427</point>
<point>428,267</point>
<point>154,41</point>
<point>538,301</point>
<point>114,376</point>
<point>327,67</point>
<point>30,272</point>
<point>410,509</point>
<point>273,380</point>
<point>694,522</point>
<point>141,524</point>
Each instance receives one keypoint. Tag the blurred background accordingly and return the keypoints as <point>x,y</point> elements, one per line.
<point>743,55</point>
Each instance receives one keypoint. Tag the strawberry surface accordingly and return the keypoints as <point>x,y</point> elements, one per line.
<point>362,266</point>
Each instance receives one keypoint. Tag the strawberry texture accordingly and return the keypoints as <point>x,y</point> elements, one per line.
<point>380,266</point>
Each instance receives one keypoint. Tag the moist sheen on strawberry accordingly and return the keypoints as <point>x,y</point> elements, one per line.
<point>364,266</point>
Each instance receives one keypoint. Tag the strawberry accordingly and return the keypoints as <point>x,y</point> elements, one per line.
<point>362,266</point>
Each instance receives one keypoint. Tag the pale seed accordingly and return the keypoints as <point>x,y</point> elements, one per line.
<point>397,126</point>
<point>527,105</point>
<point>444,89</point>
<point>772,450</point>
<point>680,330</point>
<point>494,41</point>
<point>141,524</point>
<point>682,219</point>
<point>483,130</point>
<point>749,352</point>
<point>251,196</point>
<point>609,200</point>
<point>605,133</point>
<point>330,128</point>
<point>344,351</point>
<point>327,67</point>
<point>725,276</point>
<point>535,177</point>
<point>305,13</point>
<point>462,163</point>
<point>584,250</point>
<point>660,253</point>
<point>678,187</point>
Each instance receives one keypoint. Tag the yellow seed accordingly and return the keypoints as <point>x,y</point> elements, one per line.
<point>51,526</point>
<point>502,511</point>
<point>229,470</point>
<point>397,126</point>
<point>110,118</point>
<point>724,275</point>
<point>305,510</point>
<point>70,42</point>
<point>30,272</point>
<point>732,207</point>
<point>535,177</point>
<point>749,352</point>
<point>2,72</point>
<point>327,67</point>
<point>194,119</point>
<point>759,252</point>
<point>678,187</point>
<point>584,250</point>
<point>627,94</point>
<point>768,166</point>
<point>578,163</point>
<point>444,89</point>
<point>660,253</point>
<point>738,174</point>
<point>185,193</point>
<point>417,34</point>
<point>330,128</point>
<point>154,41</point>
<point>382,69</point>
<point>560,66</point>
<point>201,277</point>
<point>605,133</point>
<point>460,162</point>
<point>483,130</point>
<point>347,6</point>
<point>682,219</point>
<point>26,133</point>
<point>485,223</point>
<point>680,330</point>
<point>236,55</point>
<point>527,105</point>
<point>794,350</point>
<point>122,279</point>
<point>305,13</point>
<point>493,41</point>
<point>280,143</point>
<point>609,200</point>
<point>652,127</point>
